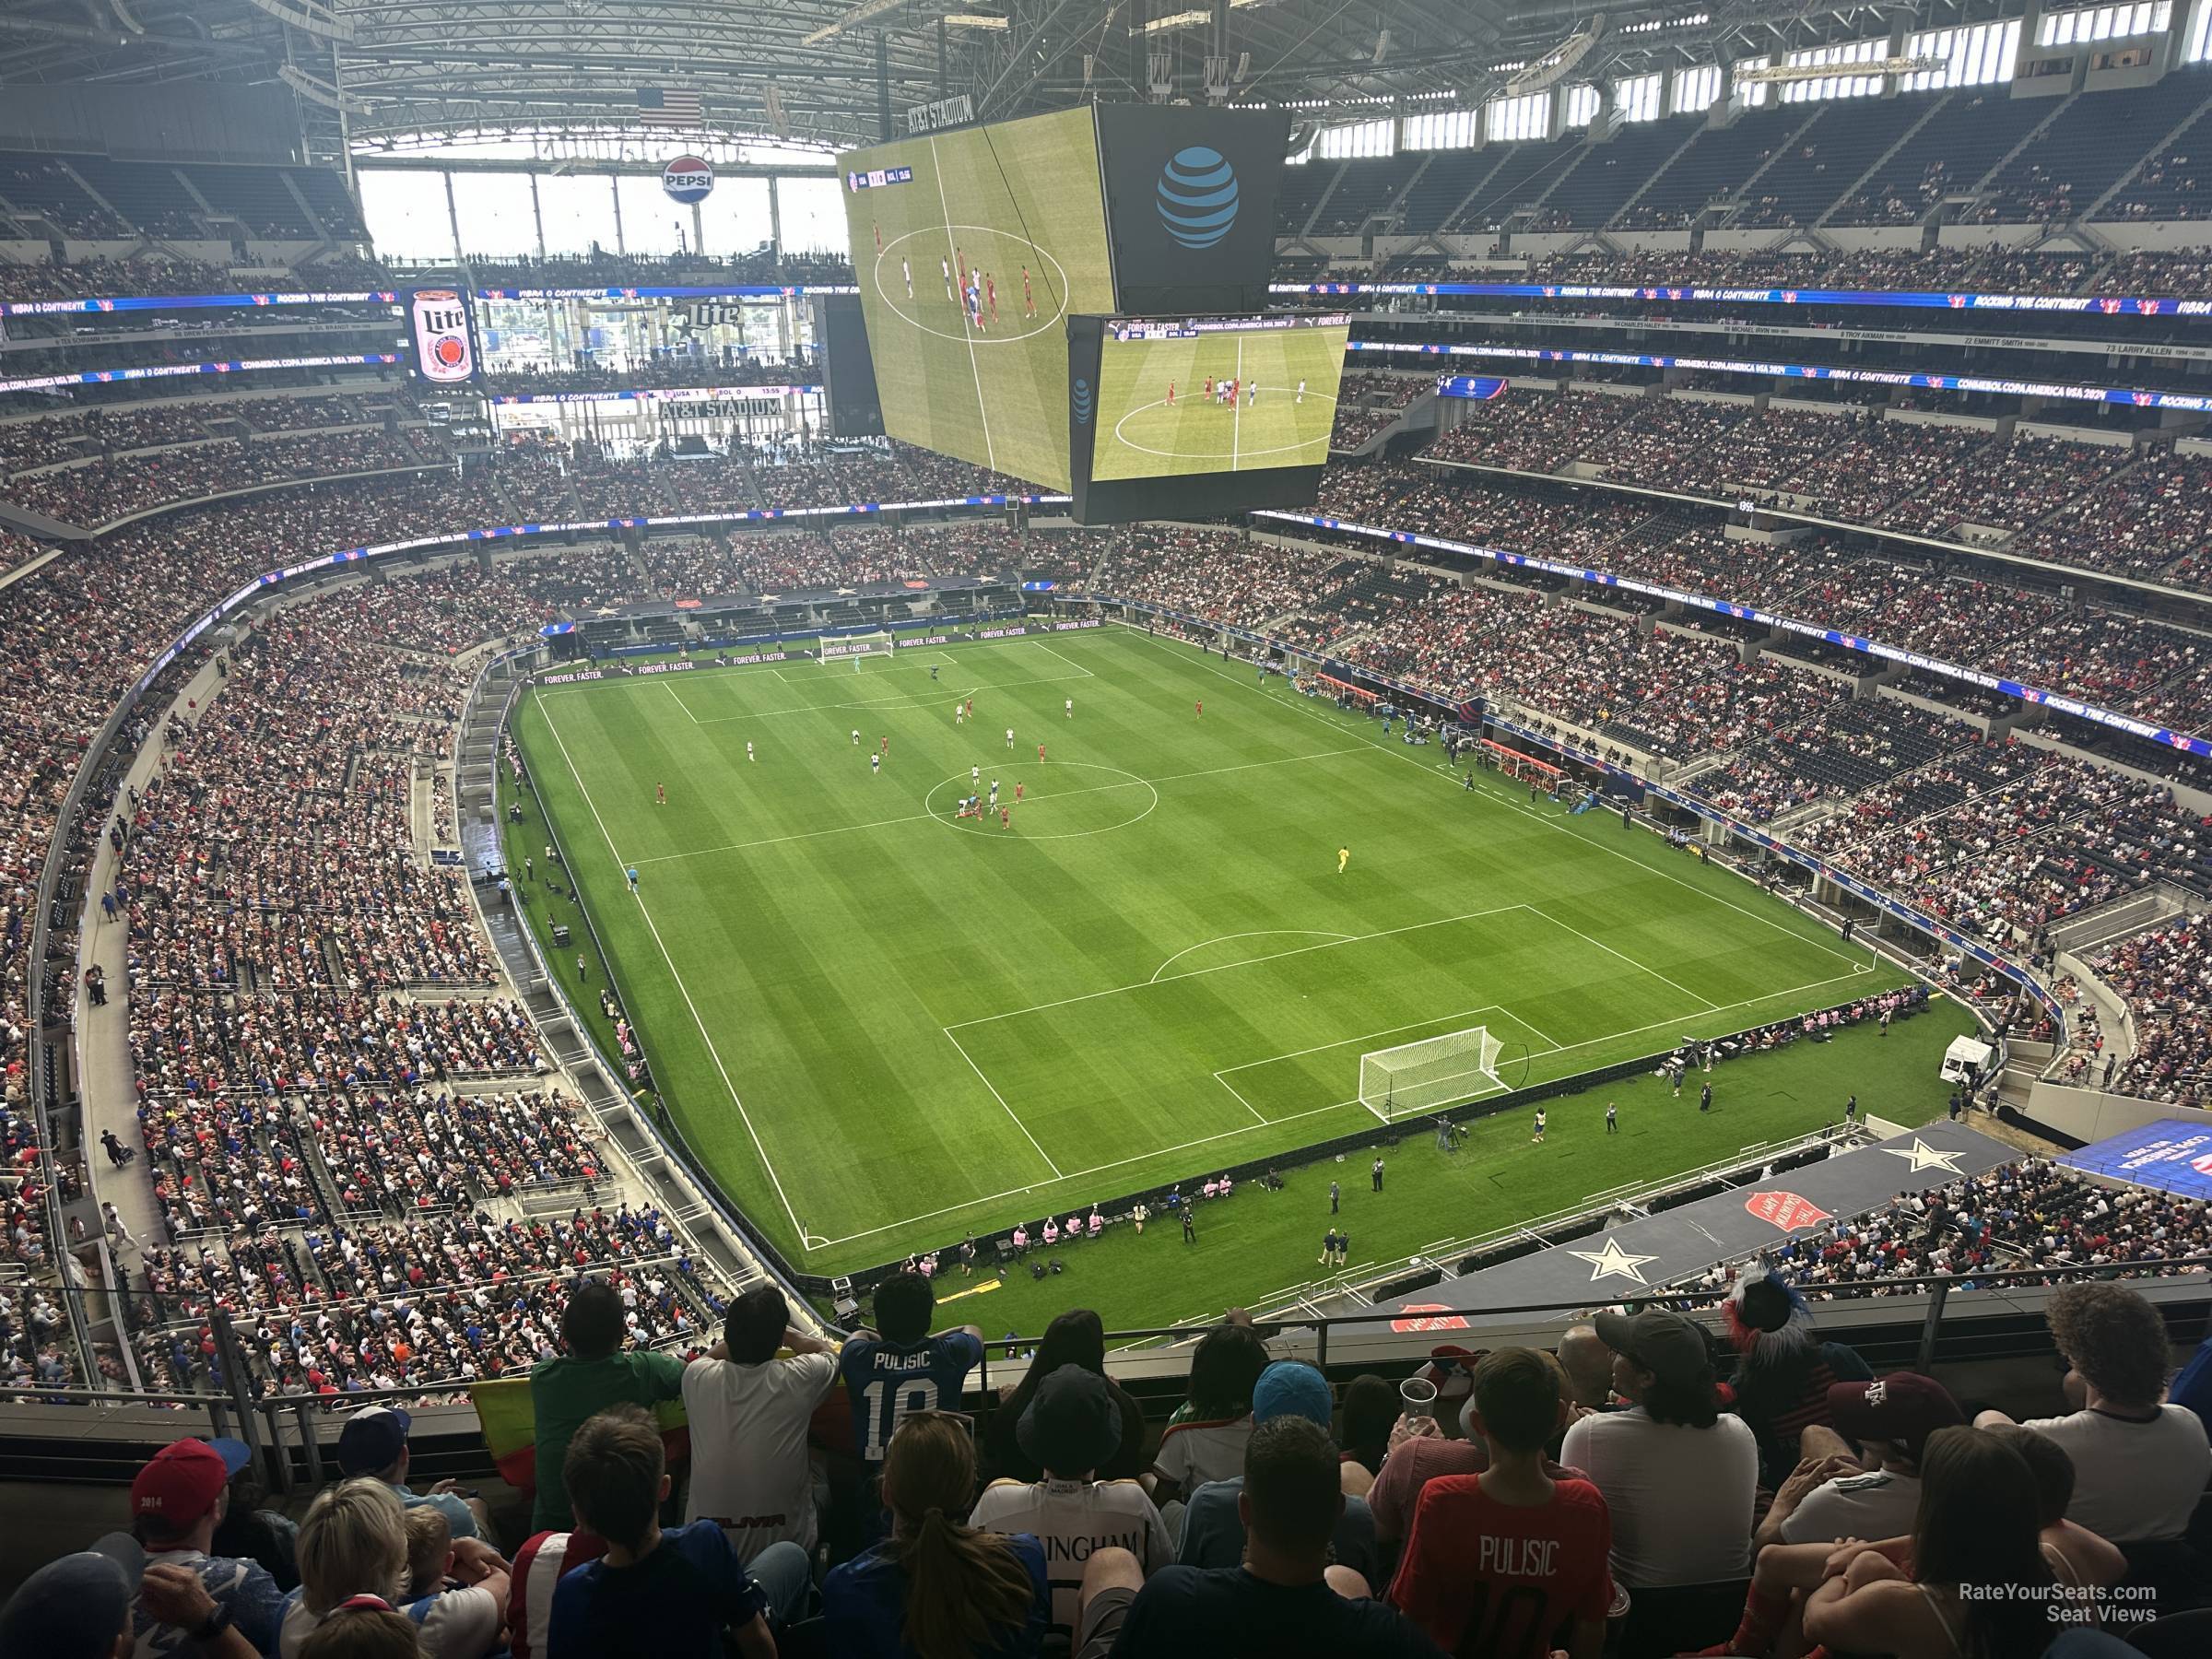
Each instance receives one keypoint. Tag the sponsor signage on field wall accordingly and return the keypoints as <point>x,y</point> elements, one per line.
<point>2067,304</point>
<point>103,377</point>
<point>1749,613</point>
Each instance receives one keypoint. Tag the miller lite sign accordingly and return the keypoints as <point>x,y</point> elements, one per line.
<point>438,321</point>
<point>688,179</point>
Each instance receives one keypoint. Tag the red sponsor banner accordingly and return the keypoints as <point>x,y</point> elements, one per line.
<point>1449,1322</point>
<point>1785,1210</point>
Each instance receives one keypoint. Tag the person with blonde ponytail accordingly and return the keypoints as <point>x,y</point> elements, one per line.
<point>937,1589</point>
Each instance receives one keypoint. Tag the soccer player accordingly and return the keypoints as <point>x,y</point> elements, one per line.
<point>1029,299</point>
<point>1071,708</point>
<point>632,873</point>
<point>972,708</point>
<point>1209,387</point>
<point>1005,818</point>
<point>1302,392</point>
<point>1537,1138</point>
<point>1041,752</point>
<point>1171,395</point>
<point>887,745</point>
<point>660,795</point>
<point>875,765</point>
<point>975,776</point>
<point>945,266</point>
<point>961,259</point>
<point>1017,792</point>
<point>1344,857</point>
<point>856,736</point>
<point>1252,392</point>
<point>1201,714</point>
<point>907,272</point>
<point>1010,736</point>
<point>932,671</point>
<point>960,715</point>
<point>994,792</point>
<point>749,752</point>
<point>878,230</point>
<point>991,294</point>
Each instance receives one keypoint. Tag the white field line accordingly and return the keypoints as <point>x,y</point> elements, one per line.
<point>669,687</point>
<point>967,328</point>
<point>714,1053</point>
<point>1367,1037</point>
<point>1260,933</point>
<point>1248,962</point>
<point>922,818</point>
<point>1078,668</point>
<point>1630,961</point>
<point>1560,826</point>
<point>1293,1117</point>
<point>1222,1077</point>
<point>901,700</point>
<point>1002,1102</point>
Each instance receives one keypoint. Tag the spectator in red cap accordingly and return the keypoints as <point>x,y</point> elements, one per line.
<point>1872,1492</point>
<point>176,1502</point>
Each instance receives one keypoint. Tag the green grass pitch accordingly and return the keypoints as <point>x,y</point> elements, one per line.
<point>1024,194</point>
<point>883,1027</point>
<point>1141,435</point>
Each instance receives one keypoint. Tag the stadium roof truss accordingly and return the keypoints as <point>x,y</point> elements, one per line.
<point>378,73</point>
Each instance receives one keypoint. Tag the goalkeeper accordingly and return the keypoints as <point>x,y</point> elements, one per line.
<point>1344,857</point>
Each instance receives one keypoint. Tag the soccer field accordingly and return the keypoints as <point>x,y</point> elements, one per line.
<point>1142,434</point>
<point>883,1027</point>
<point>1018,207</point>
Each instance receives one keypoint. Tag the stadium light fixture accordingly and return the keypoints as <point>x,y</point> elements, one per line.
<point>1191,20</point>
<point>974,20</point>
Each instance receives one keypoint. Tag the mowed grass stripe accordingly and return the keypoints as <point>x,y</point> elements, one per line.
<point>827,966</point>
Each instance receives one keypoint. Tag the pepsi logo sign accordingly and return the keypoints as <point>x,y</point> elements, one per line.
<point>689,178</point>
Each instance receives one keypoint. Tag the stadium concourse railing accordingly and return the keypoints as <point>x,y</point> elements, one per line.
<point>90,1436</point>
<point>44,1110</point>
<point>1636,786</point>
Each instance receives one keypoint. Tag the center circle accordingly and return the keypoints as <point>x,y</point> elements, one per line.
<point>1093,798</point>
<point>1235,453</point>
<point>1040,323</point>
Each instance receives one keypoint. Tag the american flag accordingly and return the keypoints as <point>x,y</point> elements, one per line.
<point>666,107</point>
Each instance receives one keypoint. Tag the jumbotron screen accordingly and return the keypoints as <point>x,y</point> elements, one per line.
<point>972,249</point>
<point>1213,395</point>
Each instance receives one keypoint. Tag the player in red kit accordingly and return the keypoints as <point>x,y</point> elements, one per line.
<point>1201,714</point>
<point>1040,751</point>
<point>1017,792</point>
<point>1005,818</point>
<point>1171,395</point>
<point>886,746</point>
<point>991,296</point>
<point>878,230</point>
<point>1209,388</point>
<point>1029,299</point>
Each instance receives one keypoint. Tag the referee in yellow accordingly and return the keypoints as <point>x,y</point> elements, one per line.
<point>1344,857</point>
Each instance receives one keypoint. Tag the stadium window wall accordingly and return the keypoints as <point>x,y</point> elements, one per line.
<point>1981,56</point>
<point>1753,95</point>
<point>813,214</point>
<point>1835,85</point>
<point>1449,129</point>
<point>494,215</point>
<point>652,222</point>
<point>1696,88</point>
<point>1639,97</point>
<point>2198,46</point>
<point>2104,23</point>
<point>406,214</point>
<point>1361,139</point>
<point>1581,107</point>
<point>1511,118</point>
<point>578,210</point>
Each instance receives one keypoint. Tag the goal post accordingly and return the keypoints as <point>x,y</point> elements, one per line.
<point>1436,1072</point>
<point>854,646</point>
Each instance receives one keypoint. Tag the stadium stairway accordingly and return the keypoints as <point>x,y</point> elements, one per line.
<point>1873,167</point>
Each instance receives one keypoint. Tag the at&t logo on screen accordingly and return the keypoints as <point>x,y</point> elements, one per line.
<point>1079,394</point>
<point>688,179</point>
<point>1198,196</point>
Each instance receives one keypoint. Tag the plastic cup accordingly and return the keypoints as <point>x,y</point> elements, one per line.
<point>1416,1395</point>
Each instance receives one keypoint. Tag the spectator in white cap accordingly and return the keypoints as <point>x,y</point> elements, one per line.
<point>373,1444</point>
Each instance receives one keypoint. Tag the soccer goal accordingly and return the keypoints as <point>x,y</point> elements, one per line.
<point>1426,1076</point>
<point>854,647</point>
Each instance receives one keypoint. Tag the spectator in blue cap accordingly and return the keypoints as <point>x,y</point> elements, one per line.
<point>1213,1531</point>
<point>374,1443</point>
<point>78,1608</point>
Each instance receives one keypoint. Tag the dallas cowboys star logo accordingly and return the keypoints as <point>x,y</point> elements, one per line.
<point>1613,1260</point>
<point>1922,1156</point>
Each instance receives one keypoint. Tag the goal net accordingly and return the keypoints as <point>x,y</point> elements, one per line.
<point>1430,1075</point>
<point>853,647</point>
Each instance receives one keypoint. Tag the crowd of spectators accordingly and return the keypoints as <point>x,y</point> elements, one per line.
<point>2165,978</point>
